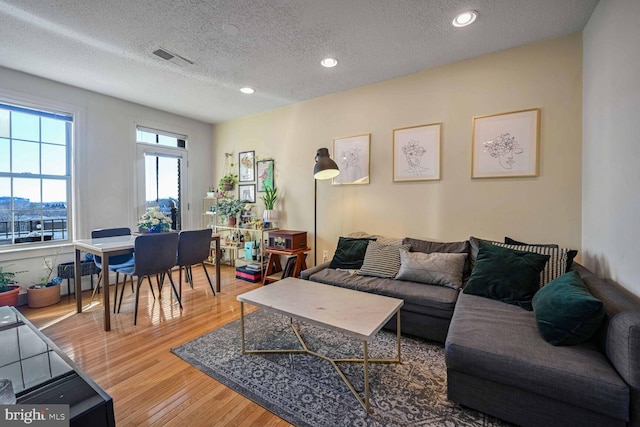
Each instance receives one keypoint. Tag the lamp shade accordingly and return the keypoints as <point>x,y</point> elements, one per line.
<point>325,168</point>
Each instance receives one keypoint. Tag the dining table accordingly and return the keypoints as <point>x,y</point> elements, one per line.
<point>107,247</point>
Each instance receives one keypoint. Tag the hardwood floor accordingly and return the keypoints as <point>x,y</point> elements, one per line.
<point>150,385</point>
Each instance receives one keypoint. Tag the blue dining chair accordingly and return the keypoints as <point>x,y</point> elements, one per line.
<point>194,247</point>
<point>155,255</point>
<point>115,262</point>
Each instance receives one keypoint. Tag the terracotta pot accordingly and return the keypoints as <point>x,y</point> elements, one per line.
<point>43,297</point>
<point>232,221</point>
<point>10,297</point>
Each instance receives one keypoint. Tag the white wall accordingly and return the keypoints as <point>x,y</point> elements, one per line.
<point>105,160</point>
<point>545,75</point>
<point>611,145</point>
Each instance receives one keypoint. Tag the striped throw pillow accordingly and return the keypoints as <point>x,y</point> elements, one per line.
<point>382,260</point>
<point>556,266</point>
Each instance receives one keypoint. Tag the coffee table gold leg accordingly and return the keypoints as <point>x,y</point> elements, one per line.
<point>242,324</point>
<point>398,331</point>
<point>366,377</point>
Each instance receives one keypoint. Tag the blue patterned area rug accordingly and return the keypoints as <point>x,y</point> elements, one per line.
<point>307,391</point>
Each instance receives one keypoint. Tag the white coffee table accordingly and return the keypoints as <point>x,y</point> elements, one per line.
<point>354,313</point>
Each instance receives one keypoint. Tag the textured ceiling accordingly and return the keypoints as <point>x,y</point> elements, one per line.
<point>105,46</point>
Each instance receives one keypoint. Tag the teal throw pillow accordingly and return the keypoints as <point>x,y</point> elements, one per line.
<point>350,252</point>
<point>566,312</point>
<point>506,275</point>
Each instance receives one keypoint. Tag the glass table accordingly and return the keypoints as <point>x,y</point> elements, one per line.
<point>41,373</point>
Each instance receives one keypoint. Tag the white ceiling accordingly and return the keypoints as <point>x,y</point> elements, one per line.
<point>105,45</point>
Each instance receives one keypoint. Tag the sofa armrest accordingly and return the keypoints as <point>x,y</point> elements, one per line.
<point>623,346</point>
<point>305,274</point>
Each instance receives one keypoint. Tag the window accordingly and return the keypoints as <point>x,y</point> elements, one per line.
<point>153,136</point>
<point>164,171</point>
<point>35,175</point>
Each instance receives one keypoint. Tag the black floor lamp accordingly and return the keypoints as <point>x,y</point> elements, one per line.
<point>325,168</point>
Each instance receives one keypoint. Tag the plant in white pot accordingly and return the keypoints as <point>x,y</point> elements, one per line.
<point>270,197</point>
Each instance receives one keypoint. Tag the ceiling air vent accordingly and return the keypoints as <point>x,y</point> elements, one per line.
<point>172,57</point>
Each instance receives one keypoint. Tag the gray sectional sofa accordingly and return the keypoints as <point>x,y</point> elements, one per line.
<point>498,363</point>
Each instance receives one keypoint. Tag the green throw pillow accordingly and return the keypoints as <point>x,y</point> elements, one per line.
<point>566,312</point>
<point>506,275</point>
<point>350,252</point>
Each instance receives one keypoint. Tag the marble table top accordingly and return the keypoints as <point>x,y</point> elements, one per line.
<point>354,313</point>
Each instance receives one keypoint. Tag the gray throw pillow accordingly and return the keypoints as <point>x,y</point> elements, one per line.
<point>382,260</point>
<point>435,268</point>
<point>429,247</point>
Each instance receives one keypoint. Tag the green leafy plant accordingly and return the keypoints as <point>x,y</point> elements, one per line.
<point>46,281</point>
<point>270,197</point>
<point>229,179</point>
<point>231,207</point>
<point>7,278</point>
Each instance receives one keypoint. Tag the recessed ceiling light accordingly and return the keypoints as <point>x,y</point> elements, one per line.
<point>247,90</point>
<point>230,29</point>
<point>329,62</point>
<point>465,18</point>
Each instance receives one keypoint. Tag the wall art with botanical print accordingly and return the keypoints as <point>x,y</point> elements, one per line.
<point>247,166</point>
<point>505,145</point>
<point>416,153</point>
<point>265,173</point>
<point>351,154</point>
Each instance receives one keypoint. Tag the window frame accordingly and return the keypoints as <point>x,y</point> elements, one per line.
<point>182,153</point>
<point>21,100</point>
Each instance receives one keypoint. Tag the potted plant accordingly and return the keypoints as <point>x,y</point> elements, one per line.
<point>228,181</point>
<point>9,290</point>
<point>270,197</point>
<point>231,208</point>
<point>47,291</point>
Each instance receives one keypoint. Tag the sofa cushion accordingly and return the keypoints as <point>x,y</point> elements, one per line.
<point>428,247</point>
<point>571,253</point>
<point>381,260</point>
<point>501,343</point>
<point>350,253</point>
<point>431,300</point>
<point>507,275</point>
<point>377,237</point>
<point>566,312</point>
<point>433,268</point>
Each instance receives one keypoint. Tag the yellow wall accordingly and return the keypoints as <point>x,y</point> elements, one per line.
<point>545,75</point>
